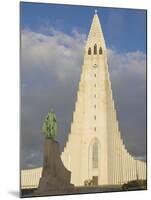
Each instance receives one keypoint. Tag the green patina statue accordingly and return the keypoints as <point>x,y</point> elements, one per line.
<point>50,126</point>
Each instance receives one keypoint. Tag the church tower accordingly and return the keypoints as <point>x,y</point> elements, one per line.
<point>94,149</point>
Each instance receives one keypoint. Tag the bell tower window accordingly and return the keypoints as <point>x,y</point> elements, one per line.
<point>89,51</point>
<point>95,49</point>
<point>100,50</point>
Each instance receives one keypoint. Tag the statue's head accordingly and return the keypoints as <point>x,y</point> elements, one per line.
<point>51,110</point>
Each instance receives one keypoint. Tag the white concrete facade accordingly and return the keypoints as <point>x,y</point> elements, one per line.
<point>94,146</point>
<point>30,178</point>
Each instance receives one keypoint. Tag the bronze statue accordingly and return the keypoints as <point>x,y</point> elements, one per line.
<point>55,177</point>
<point>50,126</point>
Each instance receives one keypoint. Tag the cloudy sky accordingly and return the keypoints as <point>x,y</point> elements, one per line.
<point>52,46</point>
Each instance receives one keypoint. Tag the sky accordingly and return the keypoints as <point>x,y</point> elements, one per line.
<point>52,46</point>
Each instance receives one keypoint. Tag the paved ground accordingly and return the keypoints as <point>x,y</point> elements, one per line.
<point>76,190</point>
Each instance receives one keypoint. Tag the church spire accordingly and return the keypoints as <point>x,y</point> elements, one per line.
<point>95,11</point>
<point>96,34</point>
<point>94,132</point>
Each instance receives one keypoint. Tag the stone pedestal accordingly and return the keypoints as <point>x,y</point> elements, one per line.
<point>55,177</point>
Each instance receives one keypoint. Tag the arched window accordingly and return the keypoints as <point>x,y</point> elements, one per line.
<point>89,51</point>
<point>95,49</point>
<point>95,155</point>
<point>100,50</point>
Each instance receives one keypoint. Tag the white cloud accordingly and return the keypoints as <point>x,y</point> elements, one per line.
<point>127,64</point>
<point>57,53</point>
<point>61,54</point>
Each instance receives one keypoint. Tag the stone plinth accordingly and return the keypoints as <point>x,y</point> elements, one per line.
<point>55,177</point>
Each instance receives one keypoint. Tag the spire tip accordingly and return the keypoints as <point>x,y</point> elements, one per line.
<point>96,11</point>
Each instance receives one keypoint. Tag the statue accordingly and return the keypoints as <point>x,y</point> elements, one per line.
<point>55,178</point>
<point>50,126</point>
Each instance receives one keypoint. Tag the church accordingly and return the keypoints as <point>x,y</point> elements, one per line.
<point>94,149</point>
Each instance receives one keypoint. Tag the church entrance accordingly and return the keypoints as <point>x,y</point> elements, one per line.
<point>95,180</point>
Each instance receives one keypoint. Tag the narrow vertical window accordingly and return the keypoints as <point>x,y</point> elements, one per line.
<point>95,49</point>
<point>89,51</point>
<point>100,50</point>
<point>95,155</point>
<point>95,117</point>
